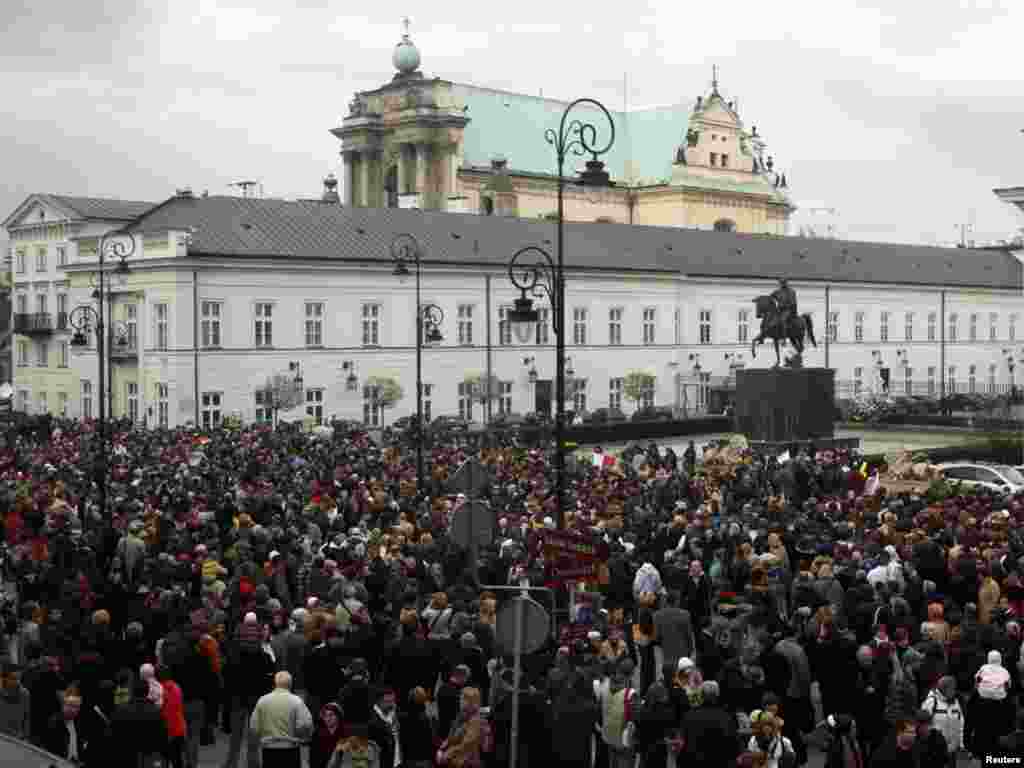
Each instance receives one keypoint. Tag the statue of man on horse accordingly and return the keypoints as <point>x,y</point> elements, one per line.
<point>781,321</point>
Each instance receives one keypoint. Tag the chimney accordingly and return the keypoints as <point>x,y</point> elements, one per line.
<point>331,190</point>
<point>185,192</point>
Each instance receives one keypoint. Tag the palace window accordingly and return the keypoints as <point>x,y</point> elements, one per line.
<point>615,326</point>
<point>42,303</point>
<point>19,261</point>
<point>648,325</point>
<point>465,324</point>
<point>579,326</point>
<point>62,256</point>
<point>972,329</point>
<point>63,354</point>
<point>931,379</point>
<point>972,379</point>
<point>21,302</point>
<point>647,394</point>
<point>211,413</point>
<point>615,393</point>
<point>86,399</point>
<point>314,324</point>
<point>211,328</point>
<point>858,380</point>
<point>22,352</point>
<point>714,159</point>
<point>858,326</point>
<point>42,404</point>
<point>993,326</point>
<point>992,378</point>
<point>833,327</point>
<point>932,322</point>
<point>132,398</point>
<point>579,395</point>
<point>465,392</point>
<point>371,325</point>
<point>951,381</point>
<point>315,404</point>
<point>742,325</point>
<point>677,328</point>
<point>371,406</point>
<point>41,258</point>
<point>161,326</point>
<point>62,311</point>
<point>883,327</point>
<point>908,380</point>
<point>504,397</point>
<point>163,410</point>
<point>953,318</point>
<point>132,325</point>
<point>543,324</point>
<point>908,326</point>
<point>62,404</point>
<point>705,326</point>
<point>504,327</point>
<point>1013,327</point>
<point>264,400</point>
<point>42,354</point>
<point>264,324</point>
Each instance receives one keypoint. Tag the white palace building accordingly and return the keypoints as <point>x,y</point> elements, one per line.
<point>662,267</point>
<point>225,292</point>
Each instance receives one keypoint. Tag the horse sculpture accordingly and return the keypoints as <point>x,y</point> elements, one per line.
<point>796,328</point>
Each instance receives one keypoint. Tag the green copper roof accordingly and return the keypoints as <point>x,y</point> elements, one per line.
<point>513,125</point>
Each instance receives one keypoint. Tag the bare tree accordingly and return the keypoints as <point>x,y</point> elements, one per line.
<point>282,393</point>
<point>385,391</point>
<point>636,384</point>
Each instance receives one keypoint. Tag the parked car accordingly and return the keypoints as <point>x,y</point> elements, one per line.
<point>405,423</point>
<point>653,413</point>
<point>995,477</point>
<point>606,416</point>
<point>455,424</point>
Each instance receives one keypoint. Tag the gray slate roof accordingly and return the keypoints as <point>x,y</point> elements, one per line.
<point>102,208</point>
<point>249,227</point>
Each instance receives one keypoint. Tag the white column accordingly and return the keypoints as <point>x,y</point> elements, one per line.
<point>400,170</point>
<point>364,179</point>
<point>421,171</point>
<point>453,171</point>
<point>349,177</point>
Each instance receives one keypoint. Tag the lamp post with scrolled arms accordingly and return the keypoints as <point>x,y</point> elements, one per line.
<point>406,250</point>
<point>118,246</point>
<point>535,273</point>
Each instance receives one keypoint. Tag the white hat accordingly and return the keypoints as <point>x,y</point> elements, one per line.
<point>274,553</point>
<point>685,663</point>
<point>250,618</point>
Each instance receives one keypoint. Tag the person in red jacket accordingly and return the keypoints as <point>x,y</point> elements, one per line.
<point>174,718</point>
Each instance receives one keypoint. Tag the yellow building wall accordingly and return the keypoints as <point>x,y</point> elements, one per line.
<point>656,206</point>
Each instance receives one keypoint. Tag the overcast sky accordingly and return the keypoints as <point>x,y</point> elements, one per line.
<point>902,115</point>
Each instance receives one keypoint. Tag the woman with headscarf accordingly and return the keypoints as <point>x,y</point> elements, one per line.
<point>991,712</point>
<point>947,716</point>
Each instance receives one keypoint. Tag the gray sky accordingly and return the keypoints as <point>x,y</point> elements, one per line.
<point>902,115</point>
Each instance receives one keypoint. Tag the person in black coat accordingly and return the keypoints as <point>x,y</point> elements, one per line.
<point>655,722</point>
<point>416,730</point>
<point>137,729</point>
<point>709,733</point>
<point>64,733</point>
<point>574,714</point>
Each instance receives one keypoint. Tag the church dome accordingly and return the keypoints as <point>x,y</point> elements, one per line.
<point>406,57</point>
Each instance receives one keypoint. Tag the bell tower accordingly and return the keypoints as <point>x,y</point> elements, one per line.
<point>402,143</point>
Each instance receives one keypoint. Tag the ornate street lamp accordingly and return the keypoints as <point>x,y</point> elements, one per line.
<point>118,246</point>
<point>544,275</point>
<point>405,251</point>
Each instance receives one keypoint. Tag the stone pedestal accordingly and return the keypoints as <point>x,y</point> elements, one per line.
<point>782,405</point>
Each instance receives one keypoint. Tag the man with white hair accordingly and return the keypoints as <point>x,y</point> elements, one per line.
<point>282,722</point>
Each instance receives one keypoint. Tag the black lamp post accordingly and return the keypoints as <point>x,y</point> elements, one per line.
<point>119,245</point>
<point>406,250</point>
<point>546,275</point>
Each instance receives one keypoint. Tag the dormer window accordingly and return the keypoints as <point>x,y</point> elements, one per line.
<point>714,159</point>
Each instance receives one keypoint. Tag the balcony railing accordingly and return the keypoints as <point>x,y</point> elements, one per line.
<point>36,322</point>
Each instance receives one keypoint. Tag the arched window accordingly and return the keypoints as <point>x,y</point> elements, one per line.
<point>725,225</point>
<point>487,206</point>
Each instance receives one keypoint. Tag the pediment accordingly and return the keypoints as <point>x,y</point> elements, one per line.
<point>719,112</point>
<point>36,210</point>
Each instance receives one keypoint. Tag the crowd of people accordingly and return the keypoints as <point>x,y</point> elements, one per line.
<point>299,593</point>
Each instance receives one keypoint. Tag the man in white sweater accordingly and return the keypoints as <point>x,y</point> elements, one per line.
<point>282,722</point>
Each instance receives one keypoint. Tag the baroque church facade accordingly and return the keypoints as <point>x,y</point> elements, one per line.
<point>434,144</point>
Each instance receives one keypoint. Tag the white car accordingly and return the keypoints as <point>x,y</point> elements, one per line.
<point>995,477</point>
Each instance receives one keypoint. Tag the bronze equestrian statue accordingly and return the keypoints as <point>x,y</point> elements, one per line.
<point>780,320</point>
